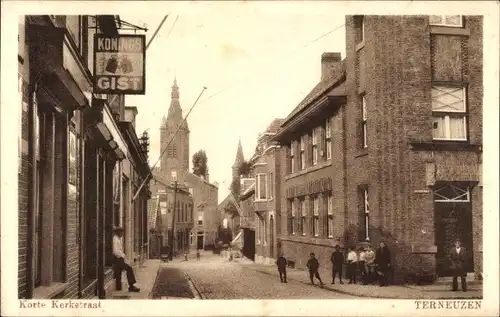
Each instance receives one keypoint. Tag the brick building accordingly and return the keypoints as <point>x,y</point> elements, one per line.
<point>69,149</point>
<point>390,153</point>
<point>267,205</point>
<point>176,158</point>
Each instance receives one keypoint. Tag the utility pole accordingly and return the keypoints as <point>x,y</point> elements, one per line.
<point>174,178</point>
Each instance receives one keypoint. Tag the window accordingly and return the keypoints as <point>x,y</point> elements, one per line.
<point>291,223</point>
<point>450,193</point>
<point>328,138</point>
<point>316,216</point>
<point>446,20</point>
<point>200,219</point>
<point>271,185</point>
<point>37,246</point>
<point>172,150</point>
<point>315,134</point>
<point>303,214</point>
<point>292,157</point>
<point>261,187</point>
<point>449,112</point>
<point>20,122</point>
<point>329,212</point>
<point>366,209</point>
<point>302,152</point>
<point>364,118</point>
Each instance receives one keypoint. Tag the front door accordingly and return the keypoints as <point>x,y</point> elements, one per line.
<point>453,220</point>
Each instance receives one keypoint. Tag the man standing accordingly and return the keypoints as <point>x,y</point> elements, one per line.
<point>458,256</point>
<point>120,263</point>
<point>370,264</point>
<point>337,260</point>
<point>313,266</point>
<point>281,264</point>
<point>383,261</point>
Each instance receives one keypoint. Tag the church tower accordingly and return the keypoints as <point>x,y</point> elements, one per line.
<point>177,155</point>
<point>237,161</point>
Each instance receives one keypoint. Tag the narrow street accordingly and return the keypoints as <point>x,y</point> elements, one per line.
<point>218,278</point>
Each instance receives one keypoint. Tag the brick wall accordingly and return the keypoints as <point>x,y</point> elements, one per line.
<point>398,109</point>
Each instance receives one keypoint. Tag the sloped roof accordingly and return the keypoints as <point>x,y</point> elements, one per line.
<point>274,126</point>
<point>318,90</point>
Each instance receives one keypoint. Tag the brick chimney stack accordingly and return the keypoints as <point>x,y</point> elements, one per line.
<point>329,62</point>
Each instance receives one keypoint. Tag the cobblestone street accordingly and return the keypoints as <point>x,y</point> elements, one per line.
<point>218,278</point>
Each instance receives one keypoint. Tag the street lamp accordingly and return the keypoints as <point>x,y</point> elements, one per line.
<point>174,179</point>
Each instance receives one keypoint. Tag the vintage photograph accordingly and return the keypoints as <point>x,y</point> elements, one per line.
<point>328,155</point>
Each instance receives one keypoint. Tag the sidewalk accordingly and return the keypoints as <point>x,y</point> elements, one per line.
<point>146,277</point>
<point>373,291</point>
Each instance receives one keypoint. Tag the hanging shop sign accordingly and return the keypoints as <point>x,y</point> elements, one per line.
<point>120,64</point>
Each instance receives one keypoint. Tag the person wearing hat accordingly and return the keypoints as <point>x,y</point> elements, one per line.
<point>313,266</point>
<point>337,260</point>
<point>120,262</point>
<point>458,256</point>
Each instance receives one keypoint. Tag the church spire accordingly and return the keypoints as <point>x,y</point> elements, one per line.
<point>239,156</point>
<point>175,111</point>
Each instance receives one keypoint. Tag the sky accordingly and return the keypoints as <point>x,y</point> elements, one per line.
<point>257,61</point>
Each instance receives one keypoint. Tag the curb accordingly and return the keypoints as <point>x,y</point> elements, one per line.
<point>194,288</point>
<point>330,289</point>
<point>371,296</point>
<point>150,295</point>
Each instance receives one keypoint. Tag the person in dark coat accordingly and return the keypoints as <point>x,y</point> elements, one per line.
<point>337,260</point>
<point>313,266</point>
<point>281,264</point>
<point>383,262</point>
<point>458,257</point>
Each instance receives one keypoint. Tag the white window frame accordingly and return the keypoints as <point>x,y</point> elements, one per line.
<point>303,215</point>
<point>328,138</point>
<point>293,216</point>
<point>316,203</point>
<point>364,122</point>
<point>258,186</point>
<point>314,136</point>
<point>292,157</point>
<point>464,197</point>
<point>366,208</point>
<point>329,210</point>
<point>443,21</point>
<point>449,113</point>
<point>302,153</point>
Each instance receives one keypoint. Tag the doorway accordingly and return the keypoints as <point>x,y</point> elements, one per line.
<point>453,220</point>
<point>199,242</point>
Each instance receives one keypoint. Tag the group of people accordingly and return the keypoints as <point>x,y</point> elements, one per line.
<point>365,265</point>
<point>370,266</point>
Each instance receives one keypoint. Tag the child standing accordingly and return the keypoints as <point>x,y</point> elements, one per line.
<point>352,262</point>
<point>281,264</point>
<point>313,266</point>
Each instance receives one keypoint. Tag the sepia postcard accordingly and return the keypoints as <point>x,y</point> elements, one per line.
<point>250,158</point>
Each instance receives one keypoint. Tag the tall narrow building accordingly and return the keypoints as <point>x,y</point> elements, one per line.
<point>177,154</point>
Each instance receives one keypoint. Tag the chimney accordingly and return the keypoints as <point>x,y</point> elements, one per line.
<point>329,62</point>
<point>130,114</point>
